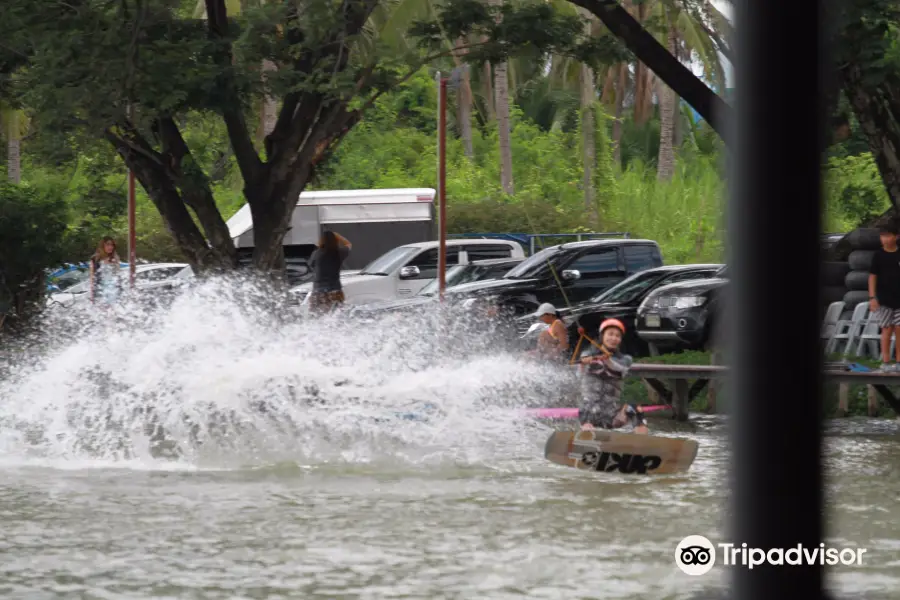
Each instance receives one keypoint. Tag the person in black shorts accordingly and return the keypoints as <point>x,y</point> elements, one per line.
<point>884,291</point>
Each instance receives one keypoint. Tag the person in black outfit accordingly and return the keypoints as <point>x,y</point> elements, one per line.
<point>326,262</point>
<point>884,291</point>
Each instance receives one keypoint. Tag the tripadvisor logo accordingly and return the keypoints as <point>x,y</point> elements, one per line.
<point>696,555</point>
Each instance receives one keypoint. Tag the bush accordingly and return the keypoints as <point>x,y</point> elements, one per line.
<point>32,239</point>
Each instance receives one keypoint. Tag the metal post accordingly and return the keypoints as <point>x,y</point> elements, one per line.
<point>775,197</point>
<point>442,181</point>
<point>132,238</point>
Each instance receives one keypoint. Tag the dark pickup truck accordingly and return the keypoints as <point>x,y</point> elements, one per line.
<point>563,275</point>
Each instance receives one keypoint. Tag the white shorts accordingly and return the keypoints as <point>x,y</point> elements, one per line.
<point>888,317</point>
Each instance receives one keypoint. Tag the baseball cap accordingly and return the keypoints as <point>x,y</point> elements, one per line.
<point>545,309</point>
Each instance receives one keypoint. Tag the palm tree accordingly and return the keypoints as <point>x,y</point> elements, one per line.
<point>668,104</point>
<point>12,127</point>
<point>501,106</point>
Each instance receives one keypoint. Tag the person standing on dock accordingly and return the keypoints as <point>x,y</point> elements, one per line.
<point>603,377</point>
<point>326,262</point>
<point>884,292</point>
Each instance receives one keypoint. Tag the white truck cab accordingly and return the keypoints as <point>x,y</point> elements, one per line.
<point>405,270</point>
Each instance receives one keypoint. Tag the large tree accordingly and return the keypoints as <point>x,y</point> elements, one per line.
<point>867,55</point>
<point>134,72</point>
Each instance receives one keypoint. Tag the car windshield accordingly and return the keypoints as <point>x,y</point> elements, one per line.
<point>67,280</point>
<point>389,261</point>
<point>455,275</point>
<point>628,289</point>
<point>461,274</point>
<point>536,264</point>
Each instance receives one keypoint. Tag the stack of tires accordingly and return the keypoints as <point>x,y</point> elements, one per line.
<point>863,244</point>
<point>834,276</point>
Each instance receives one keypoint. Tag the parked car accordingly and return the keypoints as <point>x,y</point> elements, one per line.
<point>158,277</point>
<point>405,270</point>
<point>621,302</point>
<point>61,279</point>
<point>682,316</point>
<point>563,275</point>
<point>480,270</point>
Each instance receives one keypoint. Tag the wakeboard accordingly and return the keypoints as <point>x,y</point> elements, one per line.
<point>613,452</point>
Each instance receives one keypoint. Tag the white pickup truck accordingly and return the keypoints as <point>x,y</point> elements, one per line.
<point>403,271</point>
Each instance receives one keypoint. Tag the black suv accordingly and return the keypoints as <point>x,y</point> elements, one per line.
<point>563,275</point>
<point>622,301</point>
<point>682,316</point>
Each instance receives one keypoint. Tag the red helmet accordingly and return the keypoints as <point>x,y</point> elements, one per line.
<point>612,323</point>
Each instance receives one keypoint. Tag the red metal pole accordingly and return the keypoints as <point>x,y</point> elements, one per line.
<point>442,180</point>
<point>132,243</point>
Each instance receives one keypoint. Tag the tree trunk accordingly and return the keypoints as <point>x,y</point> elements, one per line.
<point>464,103</point>
<point>665,167</point>
<point>588,129</point>
<point>14,159</point>
<point>164,195</point>
<point>650,52</point>
<point>877,108</point>
<point>678,127</point>
<point>487,83</point>
<point>501,87</point>
<point>619,114</point>
<point>269,113</point>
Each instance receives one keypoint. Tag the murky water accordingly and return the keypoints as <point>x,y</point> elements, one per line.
<point>211,451</point>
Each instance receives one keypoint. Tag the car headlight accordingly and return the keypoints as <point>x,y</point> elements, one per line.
<point>680,302</point>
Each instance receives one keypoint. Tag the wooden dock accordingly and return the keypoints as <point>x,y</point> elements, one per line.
<point>678,385</point>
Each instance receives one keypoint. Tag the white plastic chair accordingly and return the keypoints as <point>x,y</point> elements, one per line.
<point>832,316</point>
<point>847,331</point>
<point>870,339</point>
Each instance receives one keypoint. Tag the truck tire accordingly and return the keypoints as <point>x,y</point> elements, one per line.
<point>857,281</point>
<point>852,298</point>
<point>861,260</point>
<point>834,273</point>
<point>864,239</point>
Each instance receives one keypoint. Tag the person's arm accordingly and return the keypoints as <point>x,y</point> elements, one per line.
<point>561,334</point>
<point>620,366</point>
<point>342,241</point>
<point>873,284</point>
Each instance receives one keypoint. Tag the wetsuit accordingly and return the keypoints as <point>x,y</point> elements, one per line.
<point>601,390</point>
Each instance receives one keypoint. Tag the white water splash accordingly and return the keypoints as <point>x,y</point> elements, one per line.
<point>226,377</point>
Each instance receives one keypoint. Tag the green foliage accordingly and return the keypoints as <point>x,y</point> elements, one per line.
<point>395,146</point>
<point>32,236</point>
<point>516,27</point>
<point>683,216</point>
<point>854,192</point>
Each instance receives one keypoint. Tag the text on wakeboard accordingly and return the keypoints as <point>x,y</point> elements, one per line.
<point>609,462</point>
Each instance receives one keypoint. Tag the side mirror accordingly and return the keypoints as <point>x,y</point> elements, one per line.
<point>409,272</point>
<point>572,275</point>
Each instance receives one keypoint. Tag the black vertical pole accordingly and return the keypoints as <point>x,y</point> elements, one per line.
<point>774,307</point>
